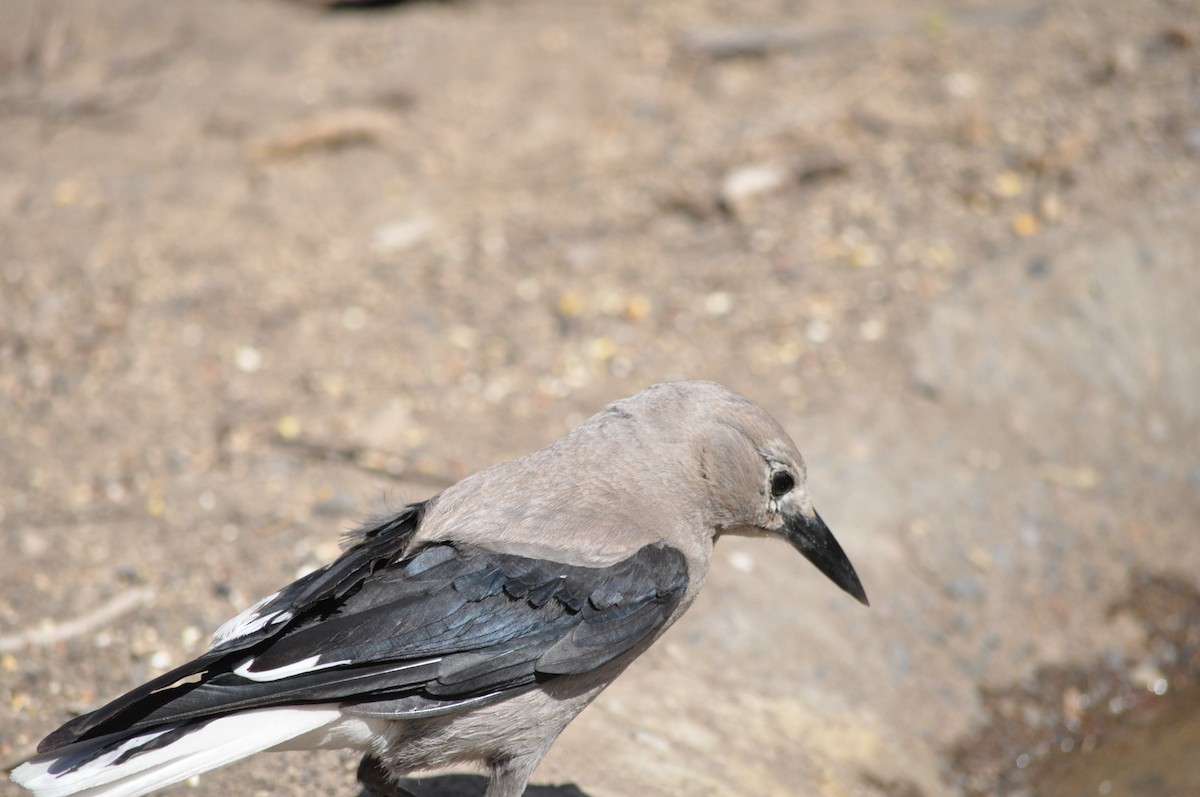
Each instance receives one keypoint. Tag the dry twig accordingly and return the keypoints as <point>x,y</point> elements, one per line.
<point>117,606</point>
<point>370,460</point>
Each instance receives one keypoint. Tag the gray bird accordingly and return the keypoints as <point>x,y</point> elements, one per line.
<point>471,627</point>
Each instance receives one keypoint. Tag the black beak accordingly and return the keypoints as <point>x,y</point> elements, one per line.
<point>811,537</point>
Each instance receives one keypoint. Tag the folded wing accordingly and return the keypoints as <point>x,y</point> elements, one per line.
<point>384,631</point>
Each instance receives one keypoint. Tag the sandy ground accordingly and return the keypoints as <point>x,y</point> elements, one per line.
<point>266,270</point>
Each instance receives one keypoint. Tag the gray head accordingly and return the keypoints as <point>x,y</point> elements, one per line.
<point>752,473</point>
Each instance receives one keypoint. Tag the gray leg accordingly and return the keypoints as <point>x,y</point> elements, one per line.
<point>510,776</point>
<point>374,777</point>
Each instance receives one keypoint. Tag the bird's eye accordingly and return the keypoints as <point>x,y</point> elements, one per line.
<point>781,483</point>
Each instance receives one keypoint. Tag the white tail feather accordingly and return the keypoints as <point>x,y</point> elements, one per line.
<point>221,741</point>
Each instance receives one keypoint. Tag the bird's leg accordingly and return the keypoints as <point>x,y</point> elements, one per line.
<point>378,781</point>
<point>508,776</point>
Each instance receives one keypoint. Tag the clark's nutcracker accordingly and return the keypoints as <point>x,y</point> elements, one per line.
<point>471,627</point>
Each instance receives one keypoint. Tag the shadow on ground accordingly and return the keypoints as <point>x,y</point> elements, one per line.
<point>471,786</point>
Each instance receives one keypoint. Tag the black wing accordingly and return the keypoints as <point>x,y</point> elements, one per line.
<point>391,634</point>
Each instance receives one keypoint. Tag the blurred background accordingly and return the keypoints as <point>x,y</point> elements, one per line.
<point>269,268</point>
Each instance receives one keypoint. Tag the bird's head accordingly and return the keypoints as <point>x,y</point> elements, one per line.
<point>753,474</point>
<point>779,504</point>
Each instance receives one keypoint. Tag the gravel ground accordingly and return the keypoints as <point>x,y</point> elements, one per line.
<point>266,270</point>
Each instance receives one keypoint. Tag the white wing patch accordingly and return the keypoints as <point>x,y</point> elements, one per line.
<point>250,621</point>
<point>77,770</point>
<point>286,671</point>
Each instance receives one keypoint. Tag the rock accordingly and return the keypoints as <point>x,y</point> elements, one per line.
<point>742,186</point>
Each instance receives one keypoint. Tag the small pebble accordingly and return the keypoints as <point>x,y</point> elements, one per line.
<point>741,562</point>
<point>191,636</point>
<point>611,302</point>
<point>1025,224</point>
<point>863,256</point>
<point>1050,207</point>
<point>401,236</point>
<point>602,349</point>
<point>1149,677</point>
<point>790,351</point>
<point>248,359</point>
<point>980,559</point>
<point>960,85</point>
<point>744,184</point>
<point>569,305</point>
<point>463,337</point>
<point>872,330</point>
<point>718,303</point>
<point>1078,478</point>
<point>637,308</point>
<point>155,506</point>
<point>1126,59</point>
<point>1008,184</point>
<point>288,427</point>
<point>818,331</point>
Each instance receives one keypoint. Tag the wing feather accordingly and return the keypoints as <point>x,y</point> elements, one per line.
<point>412,633</point>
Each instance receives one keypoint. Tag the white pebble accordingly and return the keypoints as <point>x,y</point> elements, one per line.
<point>741,562</point>
<point>960,85</point>
<point>400,236</point>
<point>748,182</point>
<point>819,331</point>
<point>191,636</point>
<point>248,359</point>
<point>718,303</point>
<point>871,330</point>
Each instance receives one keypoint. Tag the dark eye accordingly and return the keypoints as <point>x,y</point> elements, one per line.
<point>781,483</point>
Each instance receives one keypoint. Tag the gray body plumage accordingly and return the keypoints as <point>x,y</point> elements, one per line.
<point>472,628</point>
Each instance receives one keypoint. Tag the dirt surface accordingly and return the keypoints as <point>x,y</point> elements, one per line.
<point>1117,728</point>
<point>266,270</point>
